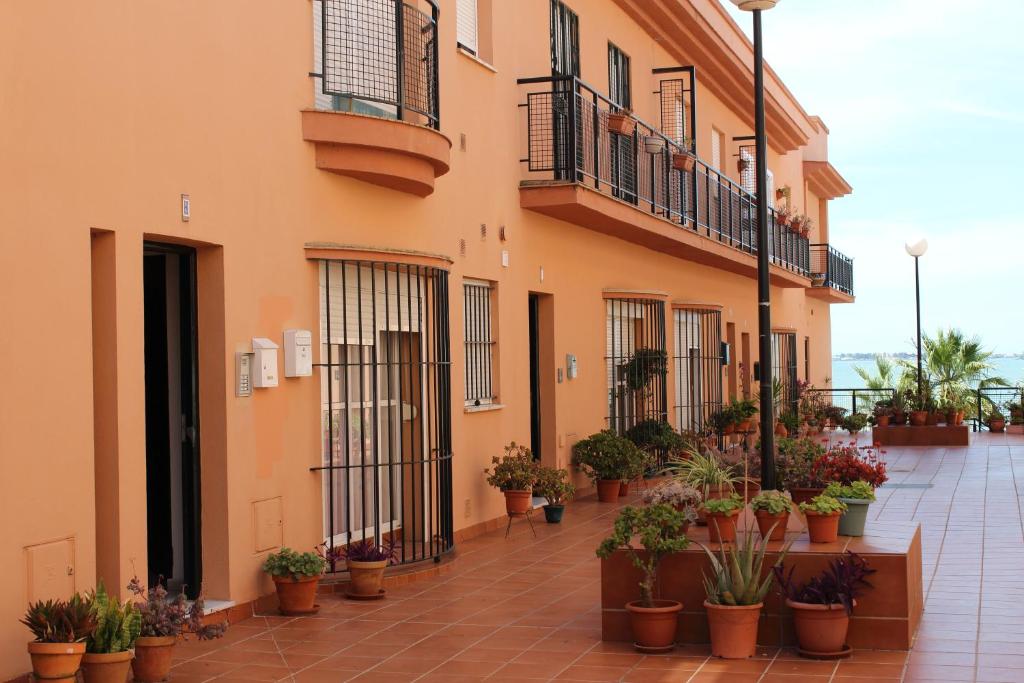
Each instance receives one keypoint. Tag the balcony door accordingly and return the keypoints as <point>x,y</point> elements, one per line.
<point>565,61</point>
<point>623,148</point>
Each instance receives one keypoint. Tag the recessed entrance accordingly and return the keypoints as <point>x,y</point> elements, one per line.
<point>172,418</point>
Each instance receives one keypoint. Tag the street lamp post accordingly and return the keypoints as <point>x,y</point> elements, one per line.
<point>917,249</point>
<point>764,313</point>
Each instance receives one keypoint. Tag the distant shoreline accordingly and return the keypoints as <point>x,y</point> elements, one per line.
<point>908,356</point>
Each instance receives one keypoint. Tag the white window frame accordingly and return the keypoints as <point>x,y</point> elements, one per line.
<point>482,355</point>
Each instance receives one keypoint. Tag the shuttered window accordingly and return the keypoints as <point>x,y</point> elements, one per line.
<point>716,149</point>
<point>466,17</point>
<point>479,343</point>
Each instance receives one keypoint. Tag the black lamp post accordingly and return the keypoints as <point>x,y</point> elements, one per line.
<point>764,313</point>
<point>917,248</point>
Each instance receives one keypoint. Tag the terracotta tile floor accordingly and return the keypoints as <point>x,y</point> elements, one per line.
<point>527,609</point>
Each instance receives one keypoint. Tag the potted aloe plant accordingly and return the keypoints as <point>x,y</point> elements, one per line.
<point>296,577</point>
<point>553,483</point>
<point>822,513</point>
<point>108,651</point>
<point>163,621</point>
<point>659,528</point>
<point>857,497</point>
<point>771,510</point>
<point>683,497</point>
<point>514,474</point>
<point>366,561</point>
<point>721,514</point>
<point>822,605</point>
<point>735,591</point>
<point>60,628</point>
<point>607,459</point>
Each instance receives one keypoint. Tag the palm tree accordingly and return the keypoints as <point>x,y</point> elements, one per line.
<point>885,377</point>
<point>955,365</point>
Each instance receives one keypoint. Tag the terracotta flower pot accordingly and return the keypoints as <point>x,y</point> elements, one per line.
<point>765,521</point>
<point>932,419</point>
<point>820,629</point>
<point>996,425</point>
<point>111,667</point>
<point>722,526</point>
<point>823,528</point>
<point>654,628</point>
<point>959,417</point>
<point>728,429</point>
<point>780,430</point>
<point>733,630</point>
<point>296,596</point>
<point>366,577</point>
<point>608,490</point>
<point>899,417</point>
<point>883,420</point>
<point>152,660</point>
<point>624,488</point>
<point>743,426</point>
<point>950,418</point>
<point>684,162</point>
<point>804,495</point>
<point>56,661</point>
<point>518,502</point>
<point>621,124</point>
<point>918,418</point>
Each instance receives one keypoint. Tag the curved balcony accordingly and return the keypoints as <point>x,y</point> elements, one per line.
<point>831,275</point>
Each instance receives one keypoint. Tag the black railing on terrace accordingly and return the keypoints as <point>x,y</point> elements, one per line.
<point>832,268</point>
<point>568,138</point>
<point>854,400</point>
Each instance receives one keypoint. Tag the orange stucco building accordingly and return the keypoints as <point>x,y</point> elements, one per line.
<point>440,195</point>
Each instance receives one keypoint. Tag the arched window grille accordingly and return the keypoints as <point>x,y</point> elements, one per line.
<point>697,341</point>
<point>636,362</point>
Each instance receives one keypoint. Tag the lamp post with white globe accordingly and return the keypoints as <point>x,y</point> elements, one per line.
<point>764,313</point>
<point>916,248</point>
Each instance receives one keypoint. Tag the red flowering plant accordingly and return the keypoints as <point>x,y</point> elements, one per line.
<point>846,463</point>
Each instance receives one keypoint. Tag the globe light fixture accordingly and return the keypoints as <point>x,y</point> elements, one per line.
<point>917,247</point>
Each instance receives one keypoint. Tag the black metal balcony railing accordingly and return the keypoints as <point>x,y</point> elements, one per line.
<point>831,268</point>
<point>568,139</point>
<point>382,51</point>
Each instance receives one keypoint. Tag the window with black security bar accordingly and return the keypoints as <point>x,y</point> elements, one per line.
<point>697,341</point>
<point>479,342</point>
<point>623,147</point>
<point>386,407</point>
<point>636,362</point>
<point>784,372</point>
<point>378,57</point>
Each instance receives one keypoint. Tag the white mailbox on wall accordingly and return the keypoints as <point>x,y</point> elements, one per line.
<point>264,366</point>
<point>298,353</point>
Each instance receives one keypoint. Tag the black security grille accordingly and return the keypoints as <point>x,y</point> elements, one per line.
<point>382,51</point>
<point>677,97</point>
<point>636,362</point>
<point>697,337</point>
<point>705,201</point>
<point>831,268</point>
<point>784,369</point>
<point>385,406</point>
<point>479,343</point>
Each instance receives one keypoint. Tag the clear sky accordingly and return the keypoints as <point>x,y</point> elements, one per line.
<point>925,104</point>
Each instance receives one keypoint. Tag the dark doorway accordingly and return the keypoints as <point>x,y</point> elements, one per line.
<point>535,435</point>
<point>172,417</point>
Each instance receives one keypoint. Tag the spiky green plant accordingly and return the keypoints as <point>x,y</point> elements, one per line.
<point>702,471</point>
<point>117,624</point>
<point>737,578</point>
<point>59,621</point>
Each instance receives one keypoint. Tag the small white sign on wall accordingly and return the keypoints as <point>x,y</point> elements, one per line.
<point>186,208</point>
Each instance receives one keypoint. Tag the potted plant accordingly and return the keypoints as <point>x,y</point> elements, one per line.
<point>795,465</point>
<point>822,514</point>
<point>514,474</point>
<point>108,651</point>
<point>683,158</point>
<point>721,516</point>
<point>771,509</point>
<point>705,472</point>
<point>607,459</point>
<point>683,497</point>
<point>1016,413</point>
<point>723,421</point>
<point>846,463</point>
<point>788,423</point>
<point>882,415</point>
<point>553,483</point>
<point>735,591</point>
<point>857,497</point>
<point>60,629</point>
<point>366,561</point>
<point>918,413</point>
<point>163,620</point>
<point>855,422</point>
<point>783,193</point>
<point>621,121</point>
<point>742,413</point>
<point>996,420</point>
<point>296,577</point>
<point>822,605</point>
<point>654,144</point>
<point>659,528</point>
<point>834,416</point>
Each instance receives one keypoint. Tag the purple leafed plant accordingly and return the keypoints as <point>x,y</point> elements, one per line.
<point>842,581</point>
<point>166,616</point>
<point>366,550</point>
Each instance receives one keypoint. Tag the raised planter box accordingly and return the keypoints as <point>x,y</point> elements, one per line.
<point>906,435</point>
<point>885,619</point>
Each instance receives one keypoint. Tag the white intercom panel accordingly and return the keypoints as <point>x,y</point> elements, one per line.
<point>264,370</point>
<point>243,373</point>
<point>298,353</point>
<point>572,369</point>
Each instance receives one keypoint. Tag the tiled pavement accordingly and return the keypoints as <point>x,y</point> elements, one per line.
<point>527,609</point>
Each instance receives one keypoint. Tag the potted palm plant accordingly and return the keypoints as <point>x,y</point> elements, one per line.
<point>735,591</point>
<point>857,497</point>
<point>822,513</point>
<point>296,577</point>
<point>366,561</point>
<point>771,509</point>
<point>659,528</point>
<point>108,651</point>
<point>721,516</point>
<point>822,605</point>
<point>607,459</point>
<point>553,483</point>
<point>60,628</point>
<point>514,474</point>
<point>163,621</point>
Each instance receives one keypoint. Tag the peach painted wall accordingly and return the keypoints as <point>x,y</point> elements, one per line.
<point>130,105</point>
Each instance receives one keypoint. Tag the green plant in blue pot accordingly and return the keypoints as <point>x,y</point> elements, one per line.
<point>857,496</point>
